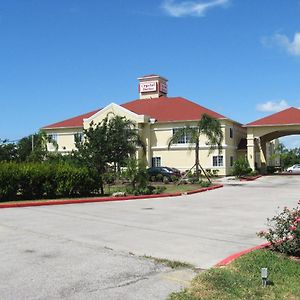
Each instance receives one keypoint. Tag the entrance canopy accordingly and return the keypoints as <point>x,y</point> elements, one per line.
<point>259,132</point>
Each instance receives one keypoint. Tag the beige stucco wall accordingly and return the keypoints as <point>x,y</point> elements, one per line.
<point>64,138</point>
<point>181,157</point>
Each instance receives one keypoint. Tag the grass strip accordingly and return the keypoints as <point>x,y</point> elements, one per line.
<point>242,279</point>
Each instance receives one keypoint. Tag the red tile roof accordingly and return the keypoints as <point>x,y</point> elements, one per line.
<point>169,109</point>
<point>288,116</point>
<point>72,122</point>
<point>163,109</point>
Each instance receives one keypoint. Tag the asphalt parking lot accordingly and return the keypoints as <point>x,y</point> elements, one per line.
<point>95,250</point>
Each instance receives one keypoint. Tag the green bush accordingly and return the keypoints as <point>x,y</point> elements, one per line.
<point>43,180</point>
<point>166,179</point>
<point>159,189</point>
<point>271,170</point>
<point>149,190</point>
<point>241,167</point>
<point>284,231</point>
<point>253,173</point>
<point>215,172</point>
<point>159,177</point>
<point>175,178</point>
<point>9,181</point>
<point>209,172</point>
<point>136,173</point>
<point>205,184</point>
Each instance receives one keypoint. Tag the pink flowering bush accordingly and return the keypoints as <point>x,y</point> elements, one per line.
<point>284,231</point>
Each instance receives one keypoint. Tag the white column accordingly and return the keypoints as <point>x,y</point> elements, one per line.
<point>251,150</point>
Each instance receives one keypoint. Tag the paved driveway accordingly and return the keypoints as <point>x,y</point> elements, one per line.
<point>92,251</point>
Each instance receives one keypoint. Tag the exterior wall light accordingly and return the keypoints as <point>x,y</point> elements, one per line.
<point>152,120</point>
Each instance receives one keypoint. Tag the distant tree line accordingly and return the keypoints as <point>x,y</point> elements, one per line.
<point>288,157</point>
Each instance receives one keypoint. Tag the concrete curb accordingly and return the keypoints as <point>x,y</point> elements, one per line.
<point>105,199</point>
<point>234,256</point>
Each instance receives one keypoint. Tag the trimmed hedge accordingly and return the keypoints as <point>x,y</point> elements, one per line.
<point>43,180</point>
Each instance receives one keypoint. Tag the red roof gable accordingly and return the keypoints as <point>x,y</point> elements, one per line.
<point>72,122</point>
<point>288,116</point>
<point>163,109</point>
<point>170,109</point>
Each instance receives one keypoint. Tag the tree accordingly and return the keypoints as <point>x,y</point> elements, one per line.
<point>288,157</point>
<point>207,126</point>
<point>8,151</point>
<point>34,147</point>
<point>124,140</point>
<point>110,142</point>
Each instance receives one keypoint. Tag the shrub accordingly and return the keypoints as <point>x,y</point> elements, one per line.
<point>43,180</point>
<point>9,180</point>
<point>166,179</point>
<point>253,173</point>
<point>136,173</point>
<point>271,170</point>
<point>152,178</point>
<point>215,172</point>
<point>209,172</point>
<point>205,184</point>
<point>193,180</point>
<point>149,190</point>
<point>284,231</point>
<point>174,178</point>
<point>241,167</point>
<point>160,189</point>
<point>159,177</point>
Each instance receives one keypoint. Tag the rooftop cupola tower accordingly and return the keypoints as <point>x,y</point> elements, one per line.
<point>152,86</point>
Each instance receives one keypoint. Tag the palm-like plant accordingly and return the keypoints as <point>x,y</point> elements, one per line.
<point>207,126</point>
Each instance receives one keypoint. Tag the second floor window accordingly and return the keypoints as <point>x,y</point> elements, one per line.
<point>184,139</point>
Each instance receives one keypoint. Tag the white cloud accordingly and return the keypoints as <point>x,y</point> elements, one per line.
<point>290,46</point>
<point>190,8</point>
<point>272,106</point>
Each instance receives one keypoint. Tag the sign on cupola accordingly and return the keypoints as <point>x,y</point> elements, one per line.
<point>152,86</point>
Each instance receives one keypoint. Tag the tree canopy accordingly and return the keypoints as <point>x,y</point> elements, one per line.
<point>108,144</point>
<point>288,157</point>
<point>30,148</point>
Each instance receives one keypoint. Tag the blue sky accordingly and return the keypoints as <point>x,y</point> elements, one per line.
<point>61,58</point>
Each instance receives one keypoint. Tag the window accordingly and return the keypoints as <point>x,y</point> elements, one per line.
<point>231,132</point>
<point>156,161</point>
<point>78,137</point>
<point>185,139</point>
<point>218,161</point>
<point>52,137</point>
<point>231,161</point>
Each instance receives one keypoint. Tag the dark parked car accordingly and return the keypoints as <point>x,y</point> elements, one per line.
<point>163,172</point>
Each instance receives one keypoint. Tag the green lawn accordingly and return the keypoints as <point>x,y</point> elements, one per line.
<point>241,279</point>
